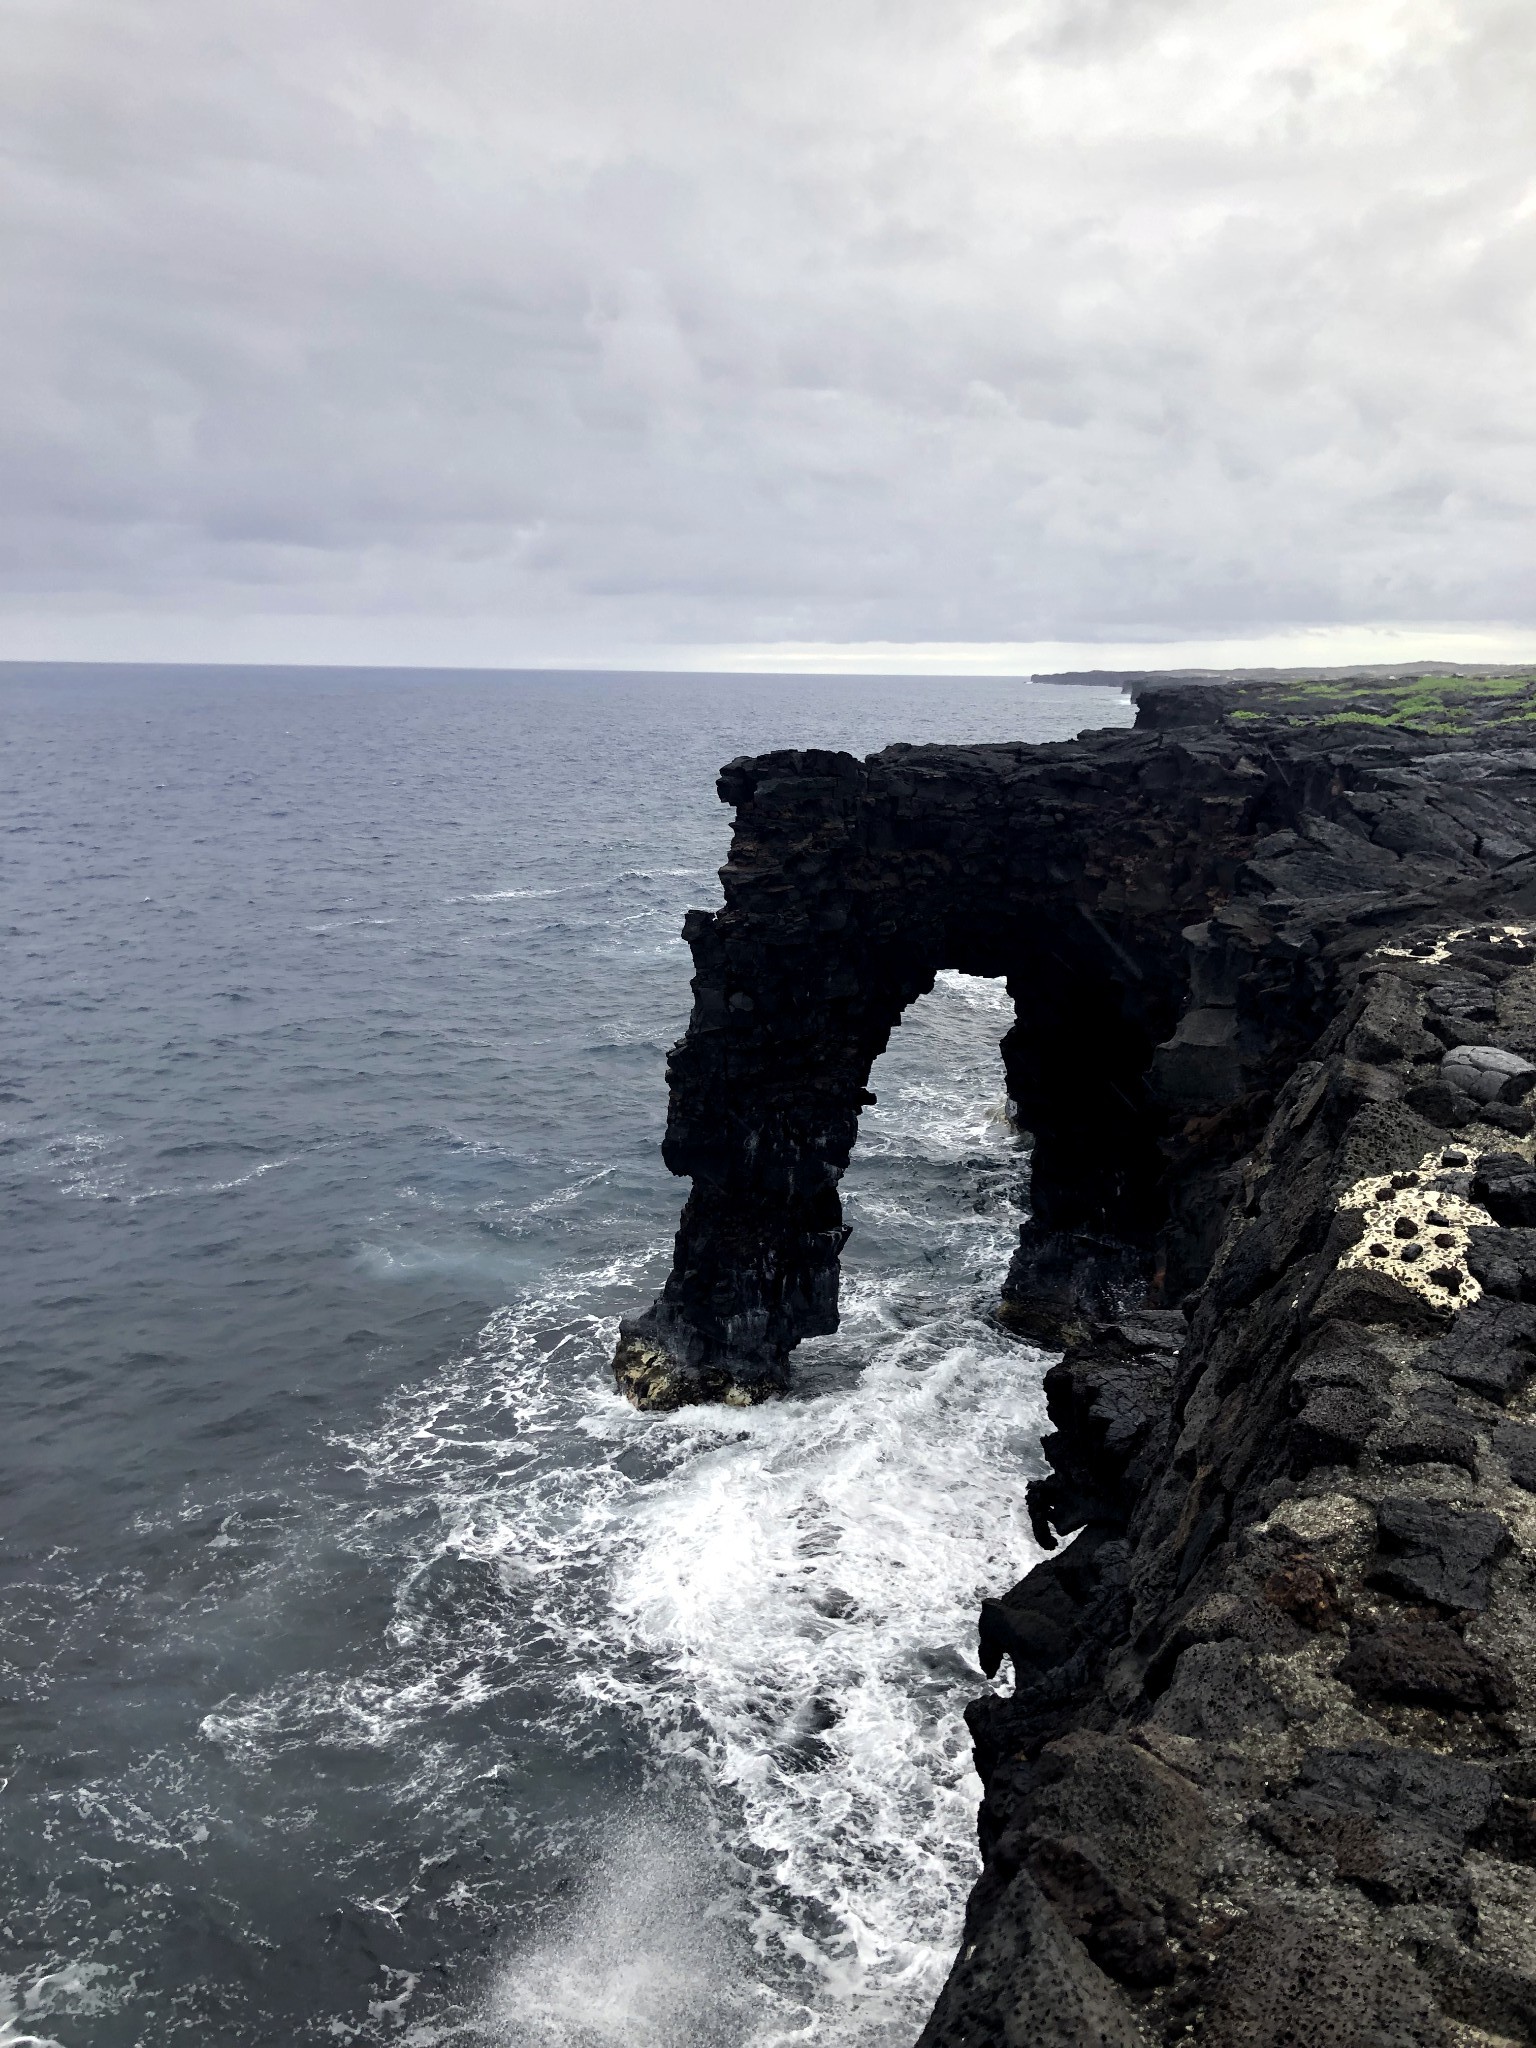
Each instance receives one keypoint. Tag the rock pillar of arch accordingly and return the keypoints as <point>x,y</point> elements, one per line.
<point>1073,871</point>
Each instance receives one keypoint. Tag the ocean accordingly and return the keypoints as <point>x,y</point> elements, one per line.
<point>372,1673</point>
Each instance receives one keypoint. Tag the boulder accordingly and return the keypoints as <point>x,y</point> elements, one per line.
<point>1395,1822</point>
<point>1027,1981</point>
<point>1505,1184</point>
<point>1503,1261</point>
<point>1415,1660</point>
<point>1427,1440</point>
<point>1515,1443</point>
<point>1490,1348</point>
<point>1438,1555</point>
<point>1287,1978</point>
<point>1487,1072</point>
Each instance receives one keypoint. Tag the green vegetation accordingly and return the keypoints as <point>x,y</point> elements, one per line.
<point>1442,707</point>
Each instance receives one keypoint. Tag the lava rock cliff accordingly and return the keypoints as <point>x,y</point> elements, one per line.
<point>1266,1777</point>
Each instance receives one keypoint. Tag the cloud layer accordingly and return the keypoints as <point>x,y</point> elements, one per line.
<point>629,327</point>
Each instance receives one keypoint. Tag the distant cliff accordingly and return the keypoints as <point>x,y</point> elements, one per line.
<point>1267,1776</point>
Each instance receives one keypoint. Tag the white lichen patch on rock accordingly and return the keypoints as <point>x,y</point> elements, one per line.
<point>1318,1520</point>
<point>1416,1232</point>
<point>1437,954</point>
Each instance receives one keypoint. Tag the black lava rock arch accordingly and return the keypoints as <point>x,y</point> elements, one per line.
<point>1084,873</point>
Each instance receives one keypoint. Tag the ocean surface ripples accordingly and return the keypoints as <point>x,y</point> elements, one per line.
<point>371,1672</point>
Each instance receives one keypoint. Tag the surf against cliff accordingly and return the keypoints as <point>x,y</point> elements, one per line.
<point>1267,1769</point>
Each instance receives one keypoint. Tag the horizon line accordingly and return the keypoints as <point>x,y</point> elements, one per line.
<point>290,641</point>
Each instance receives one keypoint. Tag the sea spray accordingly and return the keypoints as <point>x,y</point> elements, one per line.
<point>781,1604</point>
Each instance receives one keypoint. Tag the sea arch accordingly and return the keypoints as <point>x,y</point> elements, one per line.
<point>1088,876</point>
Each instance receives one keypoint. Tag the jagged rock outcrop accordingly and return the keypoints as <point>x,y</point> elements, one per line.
<point>1266,1776</point>
<point>1071,870</point>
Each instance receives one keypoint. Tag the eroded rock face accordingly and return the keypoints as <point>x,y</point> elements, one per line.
<point>1267,1769</point>
<point>1308,1589</point>
<point>1179,913</point>
<point>1154,1007</point>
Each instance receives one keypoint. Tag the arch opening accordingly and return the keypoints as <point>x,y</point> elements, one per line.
<point>759,1249</point>
<point>934,1192</point>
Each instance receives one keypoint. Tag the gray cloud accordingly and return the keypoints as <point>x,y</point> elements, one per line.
<point>646,326</point>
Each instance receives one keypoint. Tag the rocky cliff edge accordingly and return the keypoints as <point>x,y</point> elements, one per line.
<point>1266,1774</point>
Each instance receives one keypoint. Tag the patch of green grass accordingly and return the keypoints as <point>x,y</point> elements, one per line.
<point>1440,707</point>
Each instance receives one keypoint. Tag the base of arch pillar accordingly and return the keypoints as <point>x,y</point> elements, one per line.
<point>653,1370</point>
<point>1062,1281</point>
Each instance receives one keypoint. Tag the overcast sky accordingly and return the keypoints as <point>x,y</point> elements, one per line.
<point>636,330</point>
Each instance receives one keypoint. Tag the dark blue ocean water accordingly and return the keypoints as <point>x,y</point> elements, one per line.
<point>371,1673</point>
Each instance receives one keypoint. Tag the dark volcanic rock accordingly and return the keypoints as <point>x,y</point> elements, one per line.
<point>1307,1591</point>
<point>1515,1443</point>
<point>1266,1773</point>
<point>1487,1072</point>
<point>1396,1822</point>
<point>1505,1184</point>
<point>1492,1348</point>
<point>1504,1262</point>
<point>1090,877</point>
<point>1439,1555</point>
<point>1290,1978</point>
<point>1333,1427</point>
<point>1421,1662</point>
<point>1027,1980</point>
<point>1107,1398</point>
<point>1427,1440</point>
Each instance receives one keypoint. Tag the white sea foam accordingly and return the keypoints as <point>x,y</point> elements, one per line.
<point>786,1602</point>
<point>90,1166</point>
<point>661,874</point>
<point>562,1197</point>
<point>343,924</point>
<point>214,1187</point>
<point>244,1180</point>
<point>82,1164</point>
<point>62,1990</point>
<point>777,1606</point>
<point>655,1954</point>
<point>808,1586</point>
<point>503,895</point>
